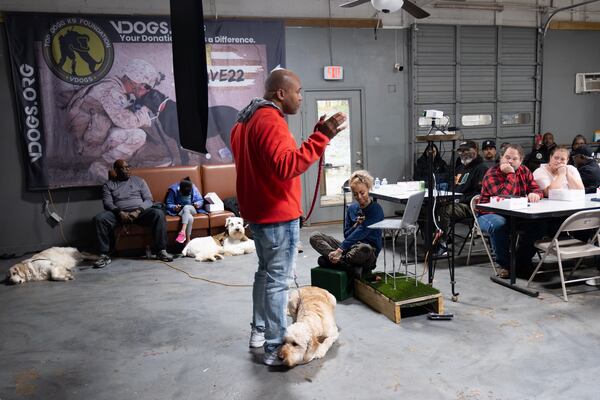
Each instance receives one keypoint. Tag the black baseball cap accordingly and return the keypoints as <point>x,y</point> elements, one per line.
<point>467,144</point>
<point>488,143</point>
<point>582,151</point>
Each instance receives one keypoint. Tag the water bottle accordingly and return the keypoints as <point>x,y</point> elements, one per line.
<point>384,182</point>
<point>377,183</point>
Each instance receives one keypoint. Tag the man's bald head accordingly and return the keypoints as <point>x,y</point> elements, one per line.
<point>283,87</point>
<point>279,79</point>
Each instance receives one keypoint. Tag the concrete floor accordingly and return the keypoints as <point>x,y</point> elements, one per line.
<point>141,330</point>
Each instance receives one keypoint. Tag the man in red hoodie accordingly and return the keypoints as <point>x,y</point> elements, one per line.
<point>269,165</point>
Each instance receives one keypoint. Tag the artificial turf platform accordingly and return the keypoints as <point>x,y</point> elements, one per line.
<point>405,288</point>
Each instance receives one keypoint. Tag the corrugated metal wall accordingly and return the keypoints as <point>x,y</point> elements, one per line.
<point>476,70</point>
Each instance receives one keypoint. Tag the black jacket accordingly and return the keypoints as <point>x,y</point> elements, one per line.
<point>440,168</point>
<point>538,157</point>
<point>468,179</point>
<point>590,175</point>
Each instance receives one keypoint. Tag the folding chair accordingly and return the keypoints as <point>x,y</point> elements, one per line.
<point>477,231</point>
<point>406,227</point>
<point>571,248</point>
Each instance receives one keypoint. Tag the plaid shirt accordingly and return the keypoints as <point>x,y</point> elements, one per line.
<point>496,183</point>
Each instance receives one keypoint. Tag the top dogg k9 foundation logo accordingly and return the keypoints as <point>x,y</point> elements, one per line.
<point>78,51</point>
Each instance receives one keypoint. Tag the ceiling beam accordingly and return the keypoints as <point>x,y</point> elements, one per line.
<point>575,25</point>
<point>314,22</point>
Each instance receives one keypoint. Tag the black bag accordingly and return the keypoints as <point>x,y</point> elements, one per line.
<point>231,204</point>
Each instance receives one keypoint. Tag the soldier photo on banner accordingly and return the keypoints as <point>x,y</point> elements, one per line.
<point>101,89</point>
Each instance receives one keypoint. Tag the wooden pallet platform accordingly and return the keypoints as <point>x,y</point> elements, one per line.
<point>393,309</point>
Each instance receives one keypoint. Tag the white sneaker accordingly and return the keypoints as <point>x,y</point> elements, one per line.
<point>272,359</point>
<point>257,338</point>
<point>593,282</point>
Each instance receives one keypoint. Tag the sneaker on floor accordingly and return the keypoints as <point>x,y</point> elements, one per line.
<point>181,237</point>
<point>593,282</point>
<point>164,256</point>
<point>103,261</point>
<point>271,358</point>
<point>257,338</point>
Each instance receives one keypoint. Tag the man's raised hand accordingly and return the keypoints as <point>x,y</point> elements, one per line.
<point>333,125</point>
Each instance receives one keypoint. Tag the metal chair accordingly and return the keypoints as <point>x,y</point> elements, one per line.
<point>405,227</point>
<point>571,248</point>
<point>477,231</point>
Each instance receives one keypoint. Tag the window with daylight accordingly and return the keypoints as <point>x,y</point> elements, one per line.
<point>516,118</point>
<point>476,120</point>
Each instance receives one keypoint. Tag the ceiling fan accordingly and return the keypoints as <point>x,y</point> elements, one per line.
<point>388,6</point>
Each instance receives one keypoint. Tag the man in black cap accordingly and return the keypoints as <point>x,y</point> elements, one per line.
<point>588,168</point>
<point>488,149</point>
<point>467,180</point>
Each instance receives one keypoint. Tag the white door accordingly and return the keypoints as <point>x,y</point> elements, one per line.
<point>343,155</point>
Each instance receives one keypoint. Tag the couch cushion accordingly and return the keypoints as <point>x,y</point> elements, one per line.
<point>160,178</point>
<point>219,179</point>
<point>200,222</point>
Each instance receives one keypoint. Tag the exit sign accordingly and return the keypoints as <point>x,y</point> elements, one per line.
<point>333,73</point>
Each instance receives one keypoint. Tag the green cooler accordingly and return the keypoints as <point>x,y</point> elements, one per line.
<point>332,280</point>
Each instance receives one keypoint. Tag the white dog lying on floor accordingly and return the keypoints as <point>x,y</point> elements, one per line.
<point>203,249</point>
<point>314,329</point>
<point>53,264</point>
<point>236,243</point>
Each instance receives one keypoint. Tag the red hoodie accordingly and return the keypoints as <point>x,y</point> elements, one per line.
<point>269,165</point>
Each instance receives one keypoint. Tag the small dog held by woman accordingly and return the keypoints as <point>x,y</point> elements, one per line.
<point>53,264</point>
<point>314,329</point>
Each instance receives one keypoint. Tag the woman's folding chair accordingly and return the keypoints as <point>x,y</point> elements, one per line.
<point>571,248</point>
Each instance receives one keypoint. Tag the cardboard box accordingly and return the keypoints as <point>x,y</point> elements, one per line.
<point>566,195</point>
<point>509,203</point>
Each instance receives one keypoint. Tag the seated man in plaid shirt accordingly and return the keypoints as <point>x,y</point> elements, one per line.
<point>509,178</point>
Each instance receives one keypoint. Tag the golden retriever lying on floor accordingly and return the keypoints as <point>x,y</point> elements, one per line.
<point>53,264</point>
<point>314,329</point>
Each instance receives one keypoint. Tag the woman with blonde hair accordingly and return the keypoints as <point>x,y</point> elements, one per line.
<point>357,253</point>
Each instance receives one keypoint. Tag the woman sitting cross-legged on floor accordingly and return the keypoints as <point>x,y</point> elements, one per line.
<point>357,254</point>
<point>185,200</point>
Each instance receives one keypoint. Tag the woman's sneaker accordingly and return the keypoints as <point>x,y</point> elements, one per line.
<point>181,237</point>
<point>257,338</point>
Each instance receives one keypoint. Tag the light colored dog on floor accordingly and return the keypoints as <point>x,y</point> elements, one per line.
<point>203,249</point>
<point>314,329</point>
<point>53,264</point>
<point>236,242</point>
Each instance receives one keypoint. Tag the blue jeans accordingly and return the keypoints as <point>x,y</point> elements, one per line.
<point>276,248</point>
<point>497,227</point>
<point>499,230</point>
